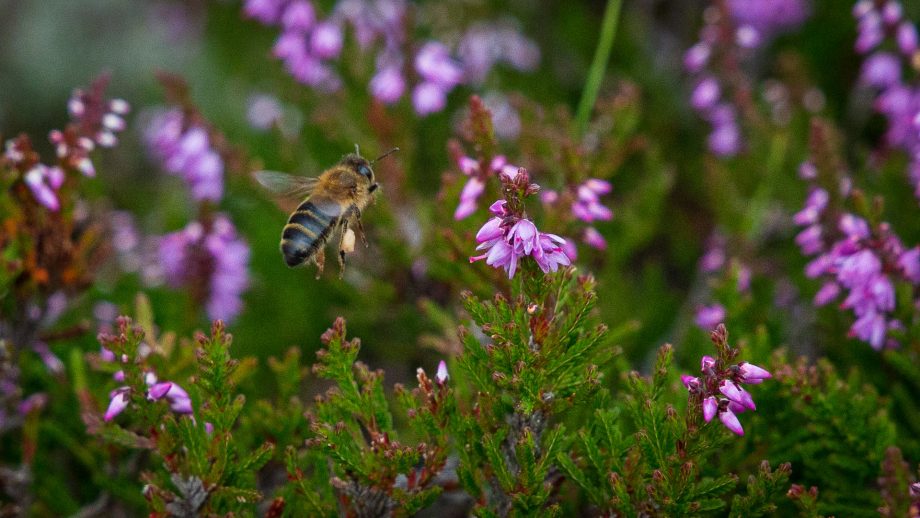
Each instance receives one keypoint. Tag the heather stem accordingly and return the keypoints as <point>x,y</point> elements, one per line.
<point>599,64</point>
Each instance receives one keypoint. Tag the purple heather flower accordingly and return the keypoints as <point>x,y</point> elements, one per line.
<point>696,57</point>
<point>326,40</point>
<point>814,205</point>
<point>44,182</point>
<point>187,153</point>
<point>827,293</point>
<point>730,420</point>
<point>587,206</point>
<point>299,15</point>
<point>230,277</point>
<point>120,399</point>
<point>177,398</point>
<point>442,375</point>
<point>881,70</point>
<point>690,382</point>
<point>504,246</point>
<point>768,17</point>
<point>428,98</point>
<point>752,374</point>
<point>226,255</point>
<point>266,11</point>
<point>434,64</point>
<point>706,93</point>
<point>710,407</point>
<point>263,111</point>
<point>388,85</point>
<point>476,185</point>
<point>523,236</point>
<point>471,191</point>
<point>906,37</point>
<point>708,317</point>
<point>909,262</point>
<point>485,45</point>
<point>594,239</point>
<point>707,363</point>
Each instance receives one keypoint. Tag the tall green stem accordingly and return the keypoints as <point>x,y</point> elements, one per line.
<point>599,64</point>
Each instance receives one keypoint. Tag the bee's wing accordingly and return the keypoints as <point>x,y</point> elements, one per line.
<point>284,184</point>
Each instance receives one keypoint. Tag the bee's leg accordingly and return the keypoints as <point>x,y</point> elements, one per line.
<point>343,246</point>
<point>320,261</point>
<point>361,229</point>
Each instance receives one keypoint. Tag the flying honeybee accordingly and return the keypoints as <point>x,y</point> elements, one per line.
<point>332,206</point>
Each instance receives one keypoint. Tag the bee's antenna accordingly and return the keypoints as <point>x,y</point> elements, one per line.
<point>388,153</point>
<point>357,151</point>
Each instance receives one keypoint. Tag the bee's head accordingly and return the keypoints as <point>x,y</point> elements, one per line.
<point>360,165</point>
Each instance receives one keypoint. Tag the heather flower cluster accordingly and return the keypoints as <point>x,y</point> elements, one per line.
<point>207,256</point>
<point>184,148</point>
<point>213,260</point>
<point>857,260</point>
<point>715,264</point>
<point>309,45</point>
<point>586,206</point>
<point>95,121</point>
<point>476,185</point>
<point>731,31</point>
<point>898,97</point>
<point>509,236</point>
<point>718,388</point>
<point>119,399</point>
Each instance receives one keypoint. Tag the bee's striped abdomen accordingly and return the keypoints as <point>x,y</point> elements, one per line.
<point>305,233</point>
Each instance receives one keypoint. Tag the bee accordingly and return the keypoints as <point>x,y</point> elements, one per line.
<point>332,206</point>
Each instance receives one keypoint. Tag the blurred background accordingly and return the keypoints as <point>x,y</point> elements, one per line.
<point>401,294</point>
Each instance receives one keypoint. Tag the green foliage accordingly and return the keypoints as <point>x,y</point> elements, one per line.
<point>833,430</point>
<point>203,470</point>
<point>370,471</point>
<point>541,360</point>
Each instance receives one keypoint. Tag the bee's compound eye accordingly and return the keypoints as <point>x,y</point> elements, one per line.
<point>364,170</point>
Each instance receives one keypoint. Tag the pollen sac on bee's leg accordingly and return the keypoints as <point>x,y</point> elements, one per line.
<point>348,241</point>
<point>320,261</point>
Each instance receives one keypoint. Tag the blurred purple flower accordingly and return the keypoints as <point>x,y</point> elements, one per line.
<point>587,206</point>
<point>44,182</point>
<point>476,185</point>
<point>217,260</point>
<point>442,376</point>
<point>484,45</point>
<point>388,85</point>
<point>708,317</point>
<point>119,401</point>
<point>186,152</point>
<point>178,399</point>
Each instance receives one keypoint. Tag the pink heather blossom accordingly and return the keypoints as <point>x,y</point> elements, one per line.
<point>442,375</point>
<point>177,398</point>
<point>434,64</point>
<point>44,182</point>
<point>476,185</point>
<point>730,420</point>
<point>309,44</point>
<point>388,85</point>
<point>186,153</point>
<point>587,206</point>
<point>505,244</point>
<point>326,40</point>
<point>182,253</point>
<point>707,317</point>
<point>735,393</point>
<point>752,374</point>
<point>710,407</point>
<point>120,399</point>
<point>594,239</point>
<point>719,392</point>
<point>428,98</point>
